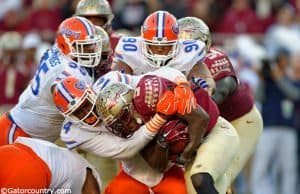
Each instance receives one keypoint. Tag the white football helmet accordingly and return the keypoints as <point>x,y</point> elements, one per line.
<point>192,28</point>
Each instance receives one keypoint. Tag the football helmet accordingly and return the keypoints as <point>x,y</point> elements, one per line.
<point>77,39</point>
<point>98,8</point>
<point>160,30</point>
<point>193,28</point>
<point>104,64</point>
<point>76,100</point>
<point>106,47</point>
<point>114,106</point>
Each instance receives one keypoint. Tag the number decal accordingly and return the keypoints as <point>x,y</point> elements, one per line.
<point>190,45</point>
<point>129,44</point>
<point>41,71</point>
<point>67,126</point>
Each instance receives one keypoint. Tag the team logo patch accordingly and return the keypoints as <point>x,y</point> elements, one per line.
<point>80,85</point>
<point>68,32</point>
<point>175,28</point>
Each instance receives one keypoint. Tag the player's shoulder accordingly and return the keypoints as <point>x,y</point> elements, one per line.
<point>112,77</point>
<point>129,44</point>
<point>191,44</point>
<point>216,54</point>
<point>217,50</point>
<point>191,48</point>
<point>115,35</point>
<point>190,52</point>
<point>128,50</point>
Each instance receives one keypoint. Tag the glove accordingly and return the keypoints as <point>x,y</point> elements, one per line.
<point>175,133</point>
<point>184,98</point>
<point>166,104</point>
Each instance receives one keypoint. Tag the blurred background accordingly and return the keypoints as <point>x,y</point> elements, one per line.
<point>261,37</point>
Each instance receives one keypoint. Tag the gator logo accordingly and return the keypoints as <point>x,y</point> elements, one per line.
<point>69,33</point>
<point>80,85</point>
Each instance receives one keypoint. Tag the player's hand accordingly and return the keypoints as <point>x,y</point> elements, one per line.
<point>184,98</point>
<point>188,153</point>
<point>174,131</point>
<point>167,104</point>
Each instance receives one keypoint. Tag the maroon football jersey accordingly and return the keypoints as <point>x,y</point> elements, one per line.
<point>152,87</point>
<point>114,39</point>
<point>206,102</point>
<point>241,100</point>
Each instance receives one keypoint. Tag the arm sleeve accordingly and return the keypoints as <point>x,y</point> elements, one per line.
<point>288,89</point>
<point>108,145</point>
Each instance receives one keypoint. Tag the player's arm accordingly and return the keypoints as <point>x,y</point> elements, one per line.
<point>111,146</point>
<point>122,67</point>
<point>106,144</point>
<point>200,70</point>
<point>90,185</point>
<point>156,154</point>
<point>224,87</point>
<point>197,122</point>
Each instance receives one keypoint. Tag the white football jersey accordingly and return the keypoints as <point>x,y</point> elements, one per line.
<point>129,51</point>
<point>101,142</point>
<point>132,80</point>
<point>68,169</point>
<point>35,112</point>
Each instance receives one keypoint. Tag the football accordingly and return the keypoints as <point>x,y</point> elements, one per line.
<point>177,147</point>
<point>176,133</point>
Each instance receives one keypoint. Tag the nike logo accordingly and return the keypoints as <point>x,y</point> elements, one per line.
<point>224,127</point>
<point>248,122</point>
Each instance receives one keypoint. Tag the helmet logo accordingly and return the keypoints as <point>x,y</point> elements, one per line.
<point>175,28</point>
<point>68,32</point>
<point>80,85</point>
<point>113,101</point>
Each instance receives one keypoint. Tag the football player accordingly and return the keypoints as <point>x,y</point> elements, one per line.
<point>234,99</point>
<point>210,164</point>
<point>81,128</point>
<point>159,46</point>
<point>43,167</point>
<point>76,52</point>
